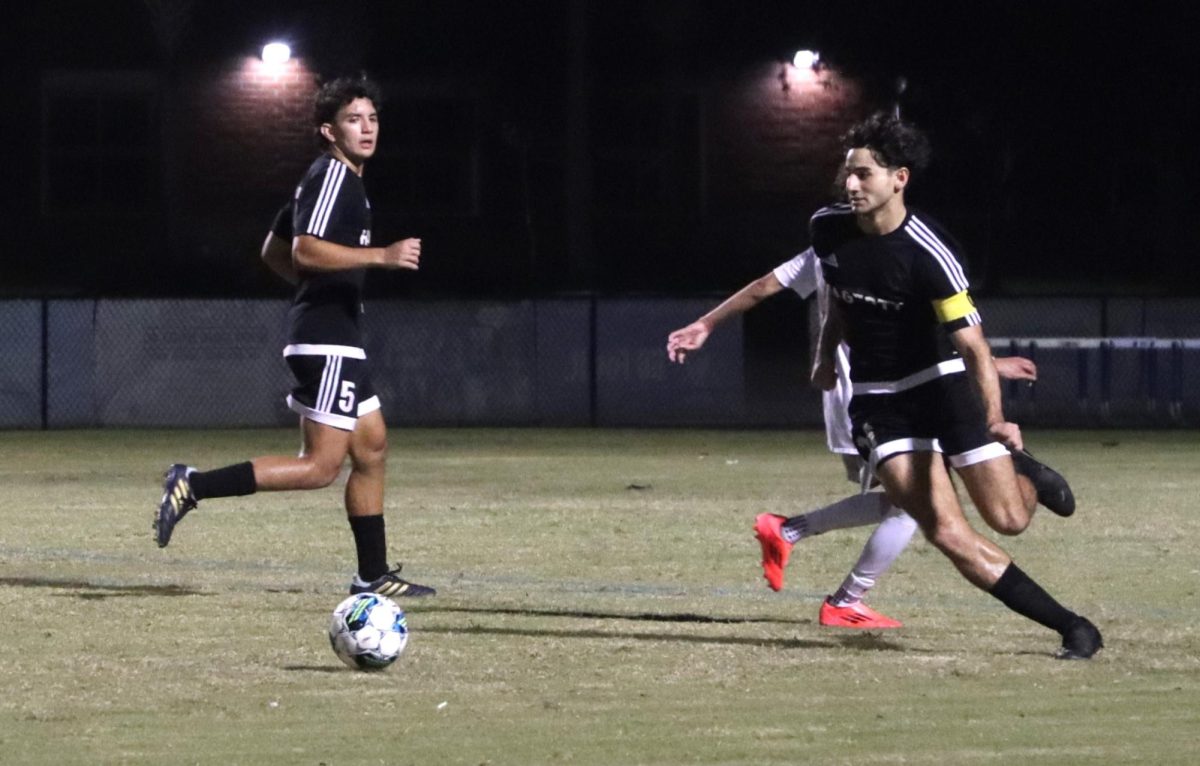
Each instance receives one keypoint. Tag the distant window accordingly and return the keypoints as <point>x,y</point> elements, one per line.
<point>100,139</point>
<point>646,154</point>
<point>427,157</point>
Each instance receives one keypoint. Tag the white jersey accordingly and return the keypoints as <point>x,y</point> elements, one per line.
<point>802,274</point>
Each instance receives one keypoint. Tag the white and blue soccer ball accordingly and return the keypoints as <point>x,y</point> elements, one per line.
<point>368,631</point>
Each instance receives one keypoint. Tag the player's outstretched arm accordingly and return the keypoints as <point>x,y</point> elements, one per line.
<point>687,339</point>
<point>691,338</point>
<point>277,254</point>
<point>314,254</point>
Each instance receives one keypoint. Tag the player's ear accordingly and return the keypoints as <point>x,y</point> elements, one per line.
<point>901,179</point>
<point>326,130</point>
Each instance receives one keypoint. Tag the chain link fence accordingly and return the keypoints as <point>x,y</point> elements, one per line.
<point>575,361</point>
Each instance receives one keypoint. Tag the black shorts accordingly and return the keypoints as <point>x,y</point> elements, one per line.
<point>333,384</point>
<point>943,415</point>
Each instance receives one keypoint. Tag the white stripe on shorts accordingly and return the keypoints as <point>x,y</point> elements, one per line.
<point>329,383</point>
<point>978,455</point>
<point>341,422</point>
<point>323,349</point>
<point>899,446</point>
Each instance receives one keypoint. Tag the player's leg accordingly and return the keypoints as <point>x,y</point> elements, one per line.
<point>845,608</point>
<point>322,454</point>
<point>325,400</point>
<point>991,482</point>
<point>919,482</point>
<point>778,534</point>
<point>317,465</point>
<point>364,506</point>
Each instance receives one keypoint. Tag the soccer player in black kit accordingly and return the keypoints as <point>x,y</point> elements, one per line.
<point>330,250</point>
<point>923,381</point>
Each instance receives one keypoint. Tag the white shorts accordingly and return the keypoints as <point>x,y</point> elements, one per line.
<point>837,404</point>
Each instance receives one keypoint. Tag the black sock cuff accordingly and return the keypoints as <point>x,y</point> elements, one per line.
<point>1010,581</point>
<point>230,481</point>
<point>1020,593</point>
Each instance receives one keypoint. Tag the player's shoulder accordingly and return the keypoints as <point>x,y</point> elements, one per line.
<point>929,233</point>
<point>321,165</point>
<point>326,166</point>
<point>837,214</point>
<point>830,226</point>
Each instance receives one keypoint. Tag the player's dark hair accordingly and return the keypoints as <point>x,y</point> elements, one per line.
<point>335,94</point>
<point>893,142</point>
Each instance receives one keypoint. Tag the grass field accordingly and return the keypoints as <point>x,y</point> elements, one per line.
<point>600,603</point>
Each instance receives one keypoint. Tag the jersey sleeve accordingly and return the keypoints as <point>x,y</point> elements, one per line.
<point>316,199</point>
<point>282,225</point>
<point>941,278</point>
<point>799,273</point>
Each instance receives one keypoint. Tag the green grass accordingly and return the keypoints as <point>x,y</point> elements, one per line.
<point>580,620</point>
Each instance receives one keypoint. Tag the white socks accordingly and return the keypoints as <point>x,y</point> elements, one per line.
<point>853,511</point>
<point>881,550</point>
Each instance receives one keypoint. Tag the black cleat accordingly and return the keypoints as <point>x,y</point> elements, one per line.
<point>177,500</point>
<point>1081,641</point>
<point>390,584</point>
<point>1053,491</point>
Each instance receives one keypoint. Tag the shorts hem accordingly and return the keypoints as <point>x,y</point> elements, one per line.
<point>340,422</point>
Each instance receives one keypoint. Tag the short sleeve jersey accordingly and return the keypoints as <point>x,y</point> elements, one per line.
<point>894,290</point>
<point>331,204</point>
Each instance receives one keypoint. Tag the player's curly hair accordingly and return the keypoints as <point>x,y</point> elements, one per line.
<point>335,94</point>
<point>893,142</point>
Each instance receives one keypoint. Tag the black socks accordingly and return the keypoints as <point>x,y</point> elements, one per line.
<point>371,543</point>
<point>230,481</point>
<point>1021,594</point>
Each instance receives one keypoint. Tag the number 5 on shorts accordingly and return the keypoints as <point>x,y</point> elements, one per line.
<point>346,400</point>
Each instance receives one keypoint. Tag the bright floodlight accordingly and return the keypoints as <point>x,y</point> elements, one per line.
<point>276,53</point>
<point>806,59</point>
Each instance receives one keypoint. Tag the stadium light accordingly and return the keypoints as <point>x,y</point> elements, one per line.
<point>276,53</point>
<point>806,59</point>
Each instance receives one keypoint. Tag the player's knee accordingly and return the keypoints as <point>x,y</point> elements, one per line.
<point>1009,520</point>
<point>321,473</point>
<point>370,454</point>
<point>954,540</point>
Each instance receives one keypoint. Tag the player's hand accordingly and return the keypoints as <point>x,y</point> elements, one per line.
<point>405,254</point>
<point>1015,368</point>
<point>1008,434</point>
<point>686,339</point>
<point>824,375</point>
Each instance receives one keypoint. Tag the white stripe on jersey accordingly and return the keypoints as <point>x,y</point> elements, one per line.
<point>840,208</point>
<point>326,183</point>
<point>341,174</point>
<point>928,240</point>
<point>920,377</point>
<point>329,189</point>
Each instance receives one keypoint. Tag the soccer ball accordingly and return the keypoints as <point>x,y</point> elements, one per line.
<point>368,631</point>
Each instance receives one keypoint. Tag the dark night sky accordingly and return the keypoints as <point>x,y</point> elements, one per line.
<point>1073,123</point>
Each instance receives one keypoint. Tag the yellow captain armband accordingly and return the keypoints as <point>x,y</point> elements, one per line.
<point>955,307</point>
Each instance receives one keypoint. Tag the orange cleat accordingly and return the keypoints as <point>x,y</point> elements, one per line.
<point>775,550</point>
<point>857,615</point>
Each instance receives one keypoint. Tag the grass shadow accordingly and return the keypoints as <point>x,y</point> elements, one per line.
<point>97,591</point>
<point>865,642</point>
<point>339,668</point>
<point>580,614</point>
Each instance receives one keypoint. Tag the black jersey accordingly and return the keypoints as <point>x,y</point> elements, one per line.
<point>893,291</point>
<point>331,204</point>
